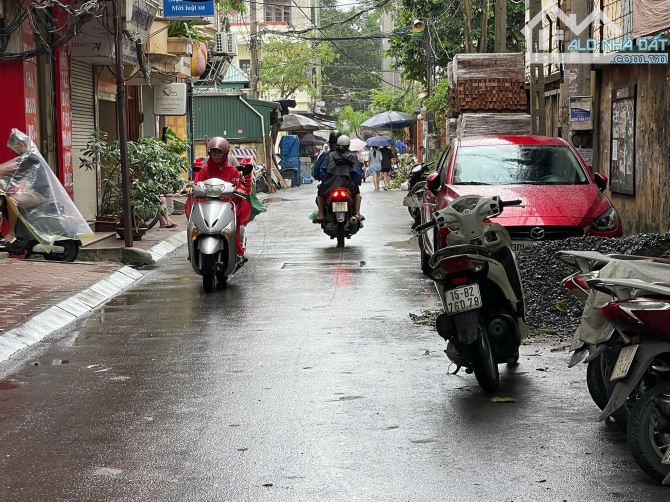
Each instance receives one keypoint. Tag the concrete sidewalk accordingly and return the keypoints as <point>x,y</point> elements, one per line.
<point>39,297</point>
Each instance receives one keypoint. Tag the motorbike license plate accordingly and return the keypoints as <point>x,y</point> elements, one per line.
<point>624,362</point>
<point>340,207</point>
<point>463,299</point>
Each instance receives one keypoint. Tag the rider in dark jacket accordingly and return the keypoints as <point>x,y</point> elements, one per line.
<point>342,170</point>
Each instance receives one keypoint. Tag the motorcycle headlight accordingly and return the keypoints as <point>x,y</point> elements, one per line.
<point>607,220</point>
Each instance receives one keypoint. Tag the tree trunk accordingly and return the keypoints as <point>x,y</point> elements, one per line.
<point>501,26</point>
<point>486,4</point>
<point>467,17</point>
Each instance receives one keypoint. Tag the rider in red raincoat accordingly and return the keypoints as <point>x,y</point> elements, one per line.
<point>218,167</point>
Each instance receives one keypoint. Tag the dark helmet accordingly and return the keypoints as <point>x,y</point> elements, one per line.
<point>332,139</point>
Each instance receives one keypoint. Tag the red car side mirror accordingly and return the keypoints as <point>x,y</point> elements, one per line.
<point>433,182</point>
<point>601,181</point>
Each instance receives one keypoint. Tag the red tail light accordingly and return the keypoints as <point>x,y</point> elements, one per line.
<point>339,194</point>
<point>576,282</point>
<point>460,264</point>
<point>614,312</point>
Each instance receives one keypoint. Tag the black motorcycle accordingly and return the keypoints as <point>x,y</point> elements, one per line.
<point>417,184</point>
<point>339,222</point>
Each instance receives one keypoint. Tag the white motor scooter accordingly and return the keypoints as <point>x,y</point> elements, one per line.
<point>212,232</point>
<point>479,283</point>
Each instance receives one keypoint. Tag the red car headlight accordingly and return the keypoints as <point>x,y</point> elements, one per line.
<point>606,221</point>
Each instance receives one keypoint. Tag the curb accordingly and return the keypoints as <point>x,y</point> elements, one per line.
<point>61,315</point>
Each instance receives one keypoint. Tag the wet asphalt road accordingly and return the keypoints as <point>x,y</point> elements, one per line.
<point>305,380</point>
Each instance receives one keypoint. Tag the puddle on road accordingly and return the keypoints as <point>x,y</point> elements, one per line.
<point>411,244</point>
<point>311,265</point>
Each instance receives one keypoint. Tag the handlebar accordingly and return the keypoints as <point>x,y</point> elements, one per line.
<point>424,226</point>
<point>508,203</point>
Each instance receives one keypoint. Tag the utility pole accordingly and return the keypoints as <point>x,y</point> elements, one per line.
<point>486,4</point>
<point>253,47</point>
<point>121,128</point>
<point>501,26</point>
<point>467,17</point>
<point>537,110</point>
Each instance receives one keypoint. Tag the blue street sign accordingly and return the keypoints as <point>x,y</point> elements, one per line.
<point>188,8</point>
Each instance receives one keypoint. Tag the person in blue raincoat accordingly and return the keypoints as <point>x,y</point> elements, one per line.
<point>340,168</point>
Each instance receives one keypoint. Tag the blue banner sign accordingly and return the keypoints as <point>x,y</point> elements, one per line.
<point>188,8</point>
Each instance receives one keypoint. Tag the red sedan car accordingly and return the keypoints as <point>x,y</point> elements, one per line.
<point>560,196</point>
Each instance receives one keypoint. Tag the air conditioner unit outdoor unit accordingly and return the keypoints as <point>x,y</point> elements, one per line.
<point>225,42</point>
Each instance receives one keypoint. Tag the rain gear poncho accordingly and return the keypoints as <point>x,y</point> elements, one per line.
<point>35,194</point>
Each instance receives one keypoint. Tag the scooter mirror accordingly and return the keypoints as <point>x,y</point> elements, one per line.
<point>198,164</point>
<point>433,182</point>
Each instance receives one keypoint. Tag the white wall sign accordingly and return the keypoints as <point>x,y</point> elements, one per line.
<point>170,99</point>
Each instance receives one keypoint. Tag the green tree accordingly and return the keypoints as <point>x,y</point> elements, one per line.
<point>288,66</point>
<point>384,100</point>
<point>348,79</point>
<point>444,35</point>
<point>438,102</point>
<point>348,120</point>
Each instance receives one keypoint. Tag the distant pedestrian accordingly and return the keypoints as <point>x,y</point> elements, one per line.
<point>387,164</point>
<point>375,165</point>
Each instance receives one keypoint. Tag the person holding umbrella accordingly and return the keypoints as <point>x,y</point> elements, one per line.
<point>387,164</point>
<point>375,166</point>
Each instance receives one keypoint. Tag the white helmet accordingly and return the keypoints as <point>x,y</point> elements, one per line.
<point>343,141</point>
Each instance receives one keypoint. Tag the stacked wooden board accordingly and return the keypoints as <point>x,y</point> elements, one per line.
<point>488,83</point>
<point>478,124</point>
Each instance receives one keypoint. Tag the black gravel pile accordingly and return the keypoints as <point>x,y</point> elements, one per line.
<point>550,308</point>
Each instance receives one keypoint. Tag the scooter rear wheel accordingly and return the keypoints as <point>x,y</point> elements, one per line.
<point>648,435</point>
<point>483,361</point>
<point>340,235</point>
<point>71,250</point>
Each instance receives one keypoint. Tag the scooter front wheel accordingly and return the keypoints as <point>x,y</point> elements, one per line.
<point>208,273</point>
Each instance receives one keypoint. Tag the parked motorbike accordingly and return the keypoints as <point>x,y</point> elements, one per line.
<point>601,358</point>
<point>212,232</point>
<point>26,244</point>
<point>478,280</point>
<point>340,222</point>
<point>48,222</point>
<point>640,311</point>
<point>416,185</point>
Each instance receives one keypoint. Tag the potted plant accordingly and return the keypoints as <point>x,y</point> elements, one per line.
<point>155,168</point>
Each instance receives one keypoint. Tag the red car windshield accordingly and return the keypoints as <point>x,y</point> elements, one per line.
<point>517,165</point>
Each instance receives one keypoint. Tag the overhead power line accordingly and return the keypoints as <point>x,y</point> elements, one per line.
<point>372,36</point>
<point>330,25</point>
<point>321,28</point>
